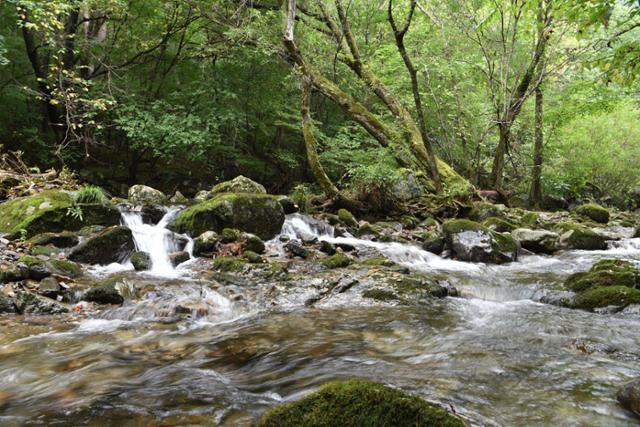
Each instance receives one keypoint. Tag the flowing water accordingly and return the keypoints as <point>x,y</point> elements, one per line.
<point>497,356</point>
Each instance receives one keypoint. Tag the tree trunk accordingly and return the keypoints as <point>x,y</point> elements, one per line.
<point>535,198</point>
<point>501,151</point>
<point>311,145</point>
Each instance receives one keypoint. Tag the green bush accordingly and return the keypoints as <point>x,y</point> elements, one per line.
<point>90,194</point>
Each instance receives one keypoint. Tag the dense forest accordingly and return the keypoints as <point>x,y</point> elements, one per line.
<point>533,99</point>
<point>318,213</point>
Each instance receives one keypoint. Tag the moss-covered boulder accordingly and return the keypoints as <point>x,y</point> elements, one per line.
<point>259,214</point>
<point>473,242</point>
<point>65,239</point>
<point>433,242</point>
<point>114,244</point>
<point>141,260</point>
<point>594,212</point>
<point>575,236</point>
<point>629,396</point>
<point>359,403</point>
<point>205,243</point>
<point>229,263</point>
<point>64,267</point>
<point>144,195</point>
<point>7,304</point>
<point>30,303</point>
<point>537,241</point>
<point>106,292</point>
<point>337,260</point>
<point>482,211</point>
<point>347,218</point>
<point>51,211</point>
<point>500,225</point>
<point>608,283</point>
<point>239,184</point>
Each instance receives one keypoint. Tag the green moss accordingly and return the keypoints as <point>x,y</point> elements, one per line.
<point>65,268</point>
<point>605,273</point>
<point>45,250</point>
<point>499,224</point>
<point>482,211</point>
<point>49,212</point>
<point>607,296</point>
<point>530,220</point>
<point>337,260</point>
<point>347,218</point>
<point>65,239</point>
<point>259,214</point>
<point>505,242</point>
<point>29,260</point>
<point>228,263</point>
<point>376,261</point>
<point>91,194</point>
<point>580,237</point>
<point>230,235</point>
<point>594,212</point>
<point>252,257</point>
<point>380,295</point>
<point>359,403</point>
<point>455,226</point>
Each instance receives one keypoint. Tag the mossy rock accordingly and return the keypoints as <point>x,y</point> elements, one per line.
<point>499,224</point>
<point>619,296</point>
<point>49,212</point>
<point>65,239</point>
<point>229,264</point>
<point>537,241</point>
<point>45,250</point>
<point>29,303</point>
<point>106,292</point>
<point>337,260</point>
<point>482,211</point>
<point>239,184</point>
<point>144,195</point>
<point>347,218</point>
<point>433,242</point>
<point>359,403</point>
<point>471,241</point>
<point>594,212</point>
<point>605,273</point>
<point>114,244</point>
<point>377,261</point>
<point>575,236</point>
<point>259,214</point>
<point>380,295</point>
<point>65,267</point>
<point>530,220</point>
<point>141,261</point>
<point>230,235</point>
<point>252,257</point>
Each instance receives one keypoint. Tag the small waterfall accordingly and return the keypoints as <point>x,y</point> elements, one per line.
<point>157,240</point>
<point>297,226</point>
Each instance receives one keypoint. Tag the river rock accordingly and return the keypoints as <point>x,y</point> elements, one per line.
<point>65,239</point>
<point>594,212</point>
<point>205,243</point>
<point>295,248</point>
<point>288,206</point>
<point>482,211</point>
<point>259,214</point>
<point>6,304</point>
<point>49,212</point>
<point>470,241</point>
<point>251,242</point>
<point>433,242</point>
<point>144,195</point>
<point>347,218</point>
<point>178,199</point>
<point>64,267</point>
<point>30,303</point>
<point>629,396</point>
<point>105,293</point>
<point>49,286</point>
<point>141,260</point>
<point>537,241</point>
<point>359,403</point>
<point>575,236</point>
<point>114,244</point>
<point>239,184</point>
<point>177,258</point>
<point>36,268</point>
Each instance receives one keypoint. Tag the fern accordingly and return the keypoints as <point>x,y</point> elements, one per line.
<point>91,194</point>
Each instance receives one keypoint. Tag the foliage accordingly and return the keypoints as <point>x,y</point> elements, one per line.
<point>90,194</point>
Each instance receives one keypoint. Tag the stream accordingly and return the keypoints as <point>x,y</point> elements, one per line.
<point>496,354</point>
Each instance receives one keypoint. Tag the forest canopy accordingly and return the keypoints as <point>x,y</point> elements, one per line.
<point>537,99</point>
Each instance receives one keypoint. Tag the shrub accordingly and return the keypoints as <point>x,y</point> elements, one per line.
<point>91,194</point>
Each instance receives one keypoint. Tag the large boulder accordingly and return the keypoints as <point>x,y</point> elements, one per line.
<point>594,212</point>
<point>65,239</point>
<point>52,211</point>
<point>239,184</point>
<point>537,241</point>
<point>470,241</point>
<point>141,261</point>
<point>575,236</point>
<point>6,304</point>
<point>105,292</point>
<point>629,396</point>
<point>359,403</point>
<point>259,214</point>
<point>483,210</point>
<point>114,244</point>
<point>609,283</point>
<point>30,303</point>
<point>144,195</point>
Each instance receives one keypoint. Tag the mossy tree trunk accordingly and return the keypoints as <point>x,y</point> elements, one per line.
<point>408,146</point>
